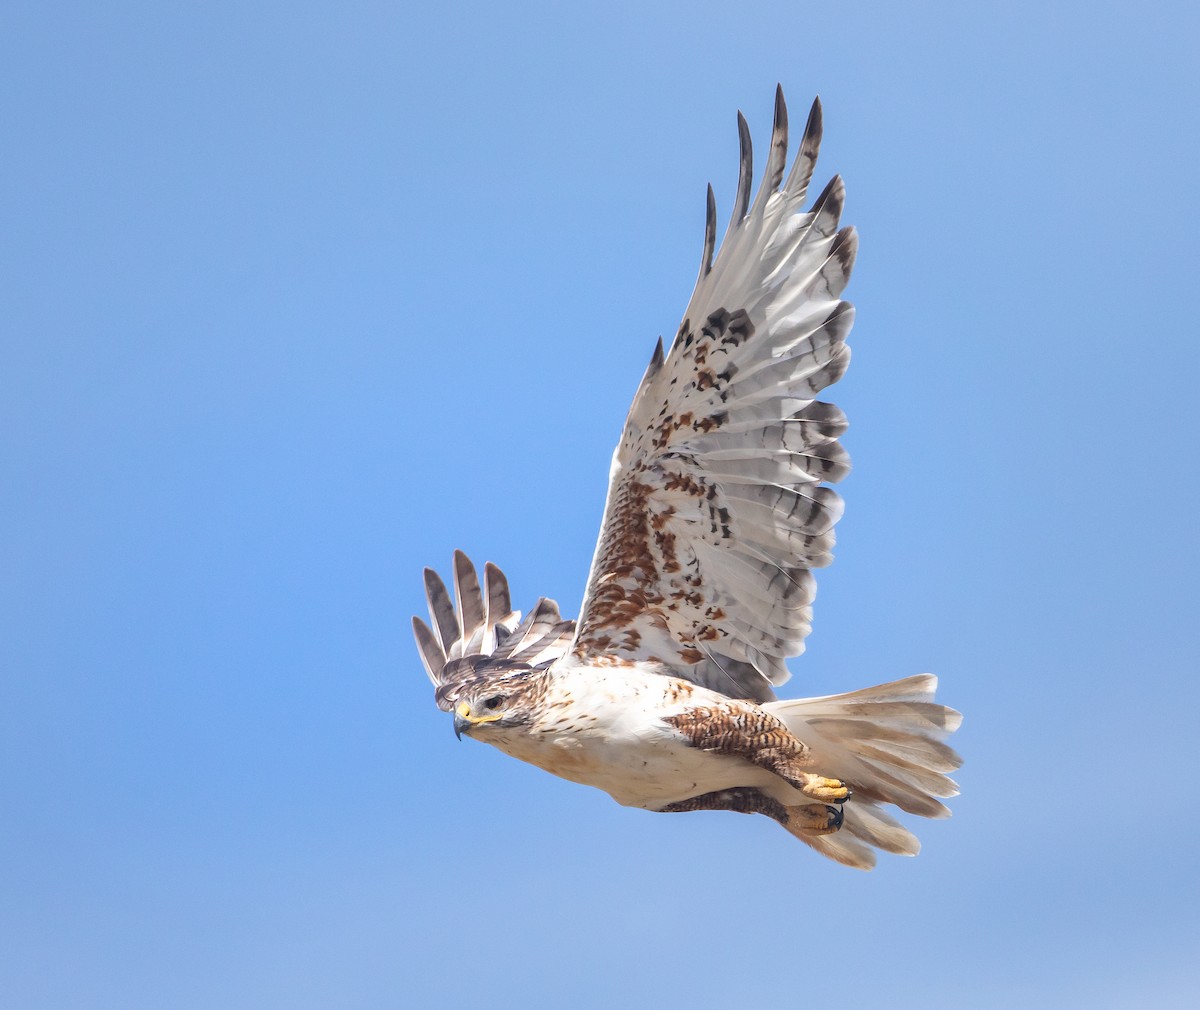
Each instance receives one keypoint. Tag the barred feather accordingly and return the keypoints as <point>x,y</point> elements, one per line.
<point>718,506</point>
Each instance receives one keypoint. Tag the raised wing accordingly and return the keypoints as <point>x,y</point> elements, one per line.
<point>717,507</point>
<point>478,633</point>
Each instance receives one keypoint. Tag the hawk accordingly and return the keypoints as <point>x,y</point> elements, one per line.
<point>718,511</point>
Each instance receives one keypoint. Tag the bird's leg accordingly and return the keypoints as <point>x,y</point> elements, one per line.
<point>746,731</point>
<point>740,799</point>
<point>810,818</point>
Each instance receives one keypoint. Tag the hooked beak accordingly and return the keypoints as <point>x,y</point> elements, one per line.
<point>464,720</point>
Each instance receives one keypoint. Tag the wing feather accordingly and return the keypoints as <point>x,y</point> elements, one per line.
<point>710,233</point>
<point>433,656</point>
<point>718,505</point>
<point>468,596</point>
<point>741,203</point>
<point>483,633</point>
<point>777,156</point>
<point>441,610</point>
<point>800,176</point>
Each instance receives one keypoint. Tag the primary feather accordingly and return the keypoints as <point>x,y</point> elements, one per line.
<point>718,504</point>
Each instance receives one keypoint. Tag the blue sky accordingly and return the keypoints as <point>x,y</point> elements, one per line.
<point>298,298</point>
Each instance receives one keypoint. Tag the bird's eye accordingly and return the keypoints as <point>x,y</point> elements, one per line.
<point>493,701</point>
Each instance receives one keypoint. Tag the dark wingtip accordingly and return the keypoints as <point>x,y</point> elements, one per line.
<point>710,232</point>
<point>777,155</point>
<point>845,248</point>
<point>806,154</point>
<point>832,195</point>
<point>816,121</point>
<point>745,169</point>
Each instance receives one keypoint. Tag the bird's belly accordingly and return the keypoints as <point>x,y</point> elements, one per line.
<point>640,770</point>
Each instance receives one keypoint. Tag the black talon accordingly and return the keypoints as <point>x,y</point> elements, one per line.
<point>835,817</point>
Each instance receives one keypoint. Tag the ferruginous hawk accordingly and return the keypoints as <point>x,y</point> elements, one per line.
<point>701,586</point>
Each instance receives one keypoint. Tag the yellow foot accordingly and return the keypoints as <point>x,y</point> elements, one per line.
<point>814,819</point>
<point>823,789</point>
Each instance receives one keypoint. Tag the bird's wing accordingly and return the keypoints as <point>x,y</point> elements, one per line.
<point>718,508</point>
<point>477,633</point>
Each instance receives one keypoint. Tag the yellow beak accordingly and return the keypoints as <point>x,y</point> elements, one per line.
<point>465,720</point>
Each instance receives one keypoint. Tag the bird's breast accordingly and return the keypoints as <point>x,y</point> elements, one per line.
<point>613,736</point>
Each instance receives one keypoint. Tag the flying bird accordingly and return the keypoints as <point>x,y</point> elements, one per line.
<point>719,509</point>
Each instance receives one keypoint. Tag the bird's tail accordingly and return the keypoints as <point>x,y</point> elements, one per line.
<point>887,744</point>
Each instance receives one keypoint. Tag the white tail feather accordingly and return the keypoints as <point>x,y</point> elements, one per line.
<point>887,744</point>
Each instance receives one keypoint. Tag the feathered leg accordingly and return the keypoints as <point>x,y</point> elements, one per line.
<point>812,818</point>
<point>747,731</point>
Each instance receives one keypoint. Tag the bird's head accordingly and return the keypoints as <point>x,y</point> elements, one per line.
<point>496,701</point>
